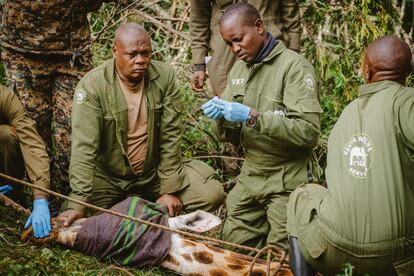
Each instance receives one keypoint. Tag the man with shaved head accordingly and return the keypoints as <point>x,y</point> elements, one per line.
<point>365,217</point>
<point>126,135</point>
<point>270,106</point>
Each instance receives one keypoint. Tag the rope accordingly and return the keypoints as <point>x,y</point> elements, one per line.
<point>272,249</point>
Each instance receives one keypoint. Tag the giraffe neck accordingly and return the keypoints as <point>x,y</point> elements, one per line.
<point>185,257</point>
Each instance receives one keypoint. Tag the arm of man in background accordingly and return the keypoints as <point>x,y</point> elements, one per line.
<point>86,134</point>
<point>170,167</point>
<point>200,40</point>
<point>291,22</point>
<point>35,158</point>
<point>405,115</point>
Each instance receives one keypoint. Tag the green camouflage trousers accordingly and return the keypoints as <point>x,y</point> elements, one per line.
<point>45,85</point>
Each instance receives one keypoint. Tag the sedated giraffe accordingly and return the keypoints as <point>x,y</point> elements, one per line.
<point>185,256</point>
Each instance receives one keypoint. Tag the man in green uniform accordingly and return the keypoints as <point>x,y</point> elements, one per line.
<point>45,51</point>
<point>22,150</point>
<point>271,106</point>
<point>365,217</point>
<point>280,17</point>
<point>126,135</point>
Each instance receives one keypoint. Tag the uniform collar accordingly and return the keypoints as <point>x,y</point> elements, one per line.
<point>110,74</point>
<point>374,87</point>
<point>278,49</point>
<point>267,48</point>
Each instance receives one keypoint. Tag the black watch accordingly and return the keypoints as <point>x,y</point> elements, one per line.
<point>253,116</point>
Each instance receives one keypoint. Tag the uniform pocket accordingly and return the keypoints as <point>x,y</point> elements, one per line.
<point>111,158</point>
<point>405,267</point>
<point>311,237</point>
<point>178,106</point>
<point>310,106</point>
<point>199,171</point>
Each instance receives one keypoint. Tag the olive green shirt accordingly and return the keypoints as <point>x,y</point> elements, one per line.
<point>32,146</point>
<point>370,172</point>
<point>100,126</point>
<point>284,89</point>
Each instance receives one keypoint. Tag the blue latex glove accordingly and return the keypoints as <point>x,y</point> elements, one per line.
<point>40,218</point>
<point>211,110</point>
<point>233,111</point>
<point>5,189</point>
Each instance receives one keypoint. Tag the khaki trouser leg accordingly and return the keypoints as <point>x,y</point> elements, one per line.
<point>106,193</point>
<point>219,66</point>
<point>276,215</point>
<point>205,192</point>
<point>246,221</point>
<point>11,160</point>
<point>208,197</point>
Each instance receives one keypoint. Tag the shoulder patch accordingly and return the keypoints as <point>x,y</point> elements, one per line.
<point>80,96</point>
<point>309,82</point>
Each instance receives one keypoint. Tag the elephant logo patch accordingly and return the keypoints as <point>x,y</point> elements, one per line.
<point>358,155</point>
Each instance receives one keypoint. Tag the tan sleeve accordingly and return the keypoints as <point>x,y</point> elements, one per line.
<point>200,29</point>
<point>291,22</point>
<point>32,146</point>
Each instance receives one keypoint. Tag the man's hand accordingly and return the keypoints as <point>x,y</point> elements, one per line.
<point>40,218</point>
<point>173,203</point>
<point>232,111</point>
<point>197,80</point>
<point>5,189</point>
<point>69,216</point>
<point>211,110</point>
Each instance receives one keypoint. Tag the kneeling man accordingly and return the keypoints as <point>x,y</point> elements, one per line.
<point>22,150</point>
<point>365,217</point>
<point>126,135</point>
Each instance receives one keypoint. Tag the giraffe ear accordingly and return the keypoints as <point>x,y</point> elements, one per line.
<point>198,221</point>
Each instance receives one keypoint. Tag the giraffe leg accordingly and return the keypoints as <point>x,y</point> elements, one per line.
<point>63,235</point>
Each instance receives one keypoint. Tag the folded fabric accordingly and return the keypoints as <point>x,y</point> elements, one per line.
<point>127,242</point>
